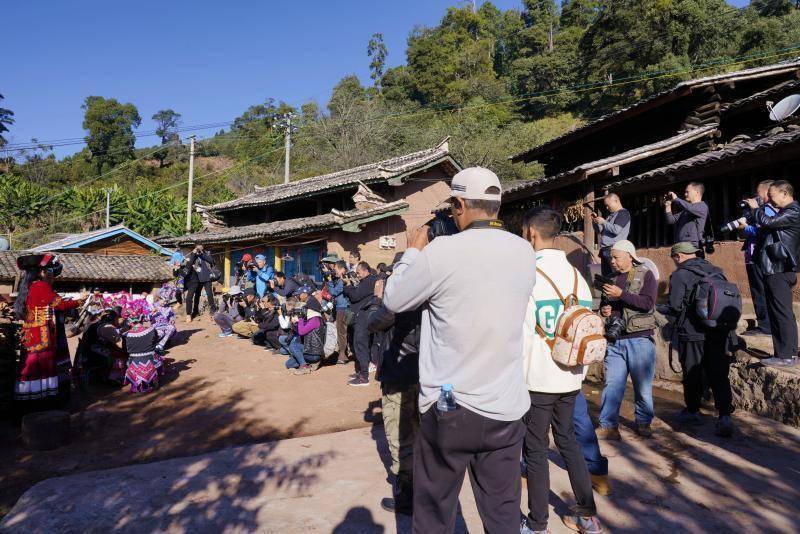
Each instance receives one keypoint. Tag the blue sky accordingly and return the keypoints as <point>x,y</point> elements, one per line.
<point>208,60</point>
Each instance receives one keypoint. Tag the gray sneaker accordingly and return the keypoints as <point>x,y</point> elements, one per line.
<point>724,427</point>
<point>584,525</point>
<point>525,529</point>
<point>686,417</point>
<point>779,362</point>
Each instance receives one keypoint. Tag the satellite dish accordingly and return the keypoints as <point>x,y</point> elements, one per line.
<point>784,109</point>
<point>4,244</point>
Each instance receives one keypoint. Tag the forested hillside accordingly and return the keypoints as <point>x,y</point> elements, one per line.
<point>495,81</point>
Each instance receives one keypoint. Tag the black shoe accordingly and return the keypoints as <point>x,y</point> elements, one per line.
<point>359,381</point>
<point>395,507</point>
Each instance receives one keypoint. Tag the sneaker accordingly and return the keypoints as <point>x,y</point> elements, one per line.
<point>303,370</point>
<point>644,431</point>
<point>359,381</point>
<point>223,334</point>
<point>609,432</point>
<point>342,362</point>
<point>584,525</point>
<point>525,529</point>
<point>686,417</point>
<point>724,427</point>
<point>601,484</point>
<point>372,368</point>
<point>779,362</point>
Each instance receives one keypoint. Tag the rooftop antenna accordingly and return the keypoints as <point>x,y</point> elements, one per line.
<point>784,109</point>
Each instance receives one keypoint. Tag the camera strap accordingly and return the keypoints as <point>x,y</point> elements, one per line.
<point>491,224</point>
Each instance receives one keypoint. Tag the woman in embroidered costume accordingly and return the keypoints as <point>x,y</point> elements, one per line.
<point>163,320</point>
<point>45,371</point>
<point>144,364</point>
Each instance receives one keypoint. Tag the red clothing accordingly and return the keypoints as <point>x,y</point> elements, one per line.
<point>39,375</point>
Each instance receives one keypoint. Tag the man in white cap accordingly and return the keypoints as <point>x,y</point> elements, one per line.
<point>630,301</point>
<point>476,286</point>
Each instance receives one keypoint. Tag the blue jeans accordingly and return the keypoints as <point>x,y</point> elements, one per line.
<point>636,356</point>
<point>284,342</point>
<point>587,439</point>
<point>296,356</point>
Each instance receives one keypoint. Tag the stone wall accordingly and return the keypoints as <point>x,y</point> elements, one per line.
<point>766,391</point>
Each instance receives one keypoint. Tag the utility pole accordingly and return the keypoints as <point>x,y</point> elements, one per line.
<point>285,122</point>
<point>191,185</point>
<point>108,208</point>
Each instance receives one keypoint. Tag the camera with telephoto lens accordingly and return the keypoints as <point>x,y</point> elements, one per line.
<point>745,213</point>
<point>615,328</point>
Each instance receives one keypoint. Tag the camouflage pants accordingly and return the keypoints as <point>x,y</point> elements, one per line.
<point>400,408</point>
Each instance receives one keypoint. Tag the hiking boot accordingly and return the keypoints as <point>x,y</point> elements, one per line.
<point>644,431</point>
<point>685,417</point>
<point>601,484</point>
<point>304,369</point>
<point>584,525</point>
<point>724,427</point>
<point>525,529</point>
<point>359,381</point>
<point>609,432</point>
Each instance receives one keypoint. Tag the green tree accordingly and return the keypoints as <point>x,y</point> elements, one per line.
<point>6,119</point>
<point>167,121</point>
<point>376,51</point>
<point>110,125</point>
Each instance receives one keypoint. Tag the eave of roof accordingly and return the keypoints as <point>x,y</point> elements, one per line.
<point>76,241</point>
<point>97,268</point>
<point>391,170</point>
<point>293,227</point>
<point>680,90</point>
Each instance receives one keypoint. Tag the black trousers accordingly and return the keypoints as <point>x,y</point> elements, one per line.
<point>554,410</point>
<point>445,447</point>
<point>781,314</point>
<point>361,342</point>
<point>705,362</point>
<point>605,261</point>
<point>193,289</point>
<point>758,293</point>
<point>268,338</point>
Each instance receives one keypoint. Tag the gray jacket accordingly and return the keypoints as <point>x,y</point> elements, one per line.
<point>689,222</point>
<point>616,228</point>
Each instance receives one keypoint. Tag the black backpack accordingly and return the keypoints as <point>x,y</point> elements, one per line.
<point>716,301</point>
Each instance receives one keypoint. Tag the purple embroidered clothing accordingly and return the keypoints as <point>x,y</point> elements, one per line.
<point>163,320</point>
<point>144,365</point>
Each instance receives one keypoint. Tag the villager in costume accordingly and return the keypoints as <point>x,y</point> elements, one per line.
<point>44,375</point>
<point>163,320</point>
<point>144,364</point>
<point>100,356</point>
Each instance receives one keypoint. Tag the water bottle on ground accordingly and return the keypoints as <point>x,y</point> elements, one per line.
<point>446,401</point>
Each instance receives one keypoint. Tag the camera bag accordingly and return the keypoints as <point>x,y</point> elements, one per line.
<point>579,337</point>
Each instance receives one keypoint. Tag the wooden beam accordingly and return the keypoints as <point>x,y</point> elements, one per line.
<point>588,227</point>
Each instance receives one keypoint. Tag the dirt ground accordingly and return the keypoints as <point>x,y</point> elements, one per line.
<point>216,393</point>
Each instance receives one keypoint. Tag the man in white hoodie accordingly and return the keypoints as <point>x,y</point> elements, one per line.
<point>553,388</point>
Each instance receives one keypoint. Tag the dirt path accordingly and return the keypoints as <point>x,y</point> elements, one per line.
<point>217,393</point>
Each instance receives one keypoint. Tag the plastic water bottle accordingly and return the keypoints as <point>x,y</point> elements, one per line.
<point>446,401</point>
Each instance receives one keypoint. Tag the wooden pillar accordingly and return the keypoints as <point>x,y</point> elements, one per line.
<point>588,227</point>
<point>227,264</point>
<point>278,262</point>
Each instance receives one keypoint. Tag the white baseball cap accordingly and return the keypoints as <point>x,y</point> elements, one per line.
<point>474,183</point>
<point>626,246</point>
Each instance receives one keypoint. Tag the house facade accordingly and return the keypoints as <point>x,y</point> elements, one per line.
<point>715,130</point>
<point>365,210</point>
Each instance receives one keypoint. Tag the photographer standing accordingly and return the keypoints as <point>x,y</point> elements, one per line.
<point>198,277</point>
<point>261,273</point>
<point>282,286</point>
<point>754,275</point>
<point>613,228</point>
<point>475,286</point>
<point>690,222</point>
<point>361,298</point>
<point>335,285</point>
<point>777,255</point>
<point>242,268</point>
<point>629,306</point>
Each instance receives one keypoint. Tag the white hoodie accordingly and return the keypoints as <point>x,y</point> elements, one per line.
<point>542,373</point>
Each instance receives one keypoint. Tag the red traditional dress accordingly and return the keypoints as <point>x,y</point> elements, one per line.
<point>45,353</point>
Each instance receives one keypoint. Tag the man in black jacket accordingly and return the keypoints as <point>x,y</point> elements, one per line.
<point>398,373</point>
<point>269,326</point>
<point>283,286</point>
<point>701,351</point>
<point>361,299</point>
<point>777,254</point>
<point>198,277</point>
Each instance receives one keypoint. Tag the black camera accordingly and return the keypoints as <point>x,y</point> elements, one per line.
<point>667,198</point>
<point>615,328</point>
<point>441,225</point>
<point>352,277</point>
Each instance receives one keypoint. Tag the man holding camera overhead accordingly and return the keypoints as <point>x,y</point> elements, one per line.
<point>475,286</point>
<point>690,222</point>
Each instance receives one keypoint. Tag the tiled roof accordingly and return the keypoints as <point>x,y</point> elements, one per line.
<point>777,68</point>
<point>288,228</point>
<point>75,241</point>
<point>709,158</point>
<point>635,154</point>
<point>761,95</point>
<point>374,172</point>
<point>98,268</point>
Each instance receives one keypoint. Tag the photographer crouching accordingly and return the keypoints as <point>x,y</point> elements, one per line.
<point>307,347</point>
<point>628,303</point>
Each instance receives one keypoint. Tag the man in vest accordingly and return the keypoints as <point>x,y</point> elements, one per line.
<point>702,352</point>
<point>630,302</point>
<point>553,388</point>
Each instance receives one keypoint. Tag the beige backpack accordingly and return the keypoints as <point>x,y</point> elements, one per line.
<point>579,336</point>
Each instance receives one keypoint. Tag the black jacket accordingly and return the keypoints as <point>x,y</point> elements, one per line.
<point>201,264</point>
<point>268,321</point>
<point>289,287</point>
<point>783,227</point>
<point>362,296</point>
<point>399,349</point>
<point>681,284</point>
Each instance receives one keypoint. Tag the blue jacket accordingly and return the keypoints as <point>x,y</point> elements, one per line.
<point>261,279</point>
<point>336,289</point>
<point>751,233</point>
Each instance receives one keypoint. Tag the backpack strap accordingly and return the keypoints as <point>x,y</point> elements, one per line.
<point>564,301</point>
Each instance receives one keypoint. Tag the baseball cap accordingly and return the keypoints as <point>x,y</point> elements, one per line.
<point>626,246</point>
<point>247,257</point>
<point>330,258</point>
<point>235,290</point>
<point>684,247</point>
<point>301,290</point>
<point>474,182</point>
<point>260,257</point>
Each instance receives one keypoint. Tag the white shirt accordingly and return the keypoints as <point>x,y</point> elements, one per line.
<point>477,284</point>
<point>542,373</point>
